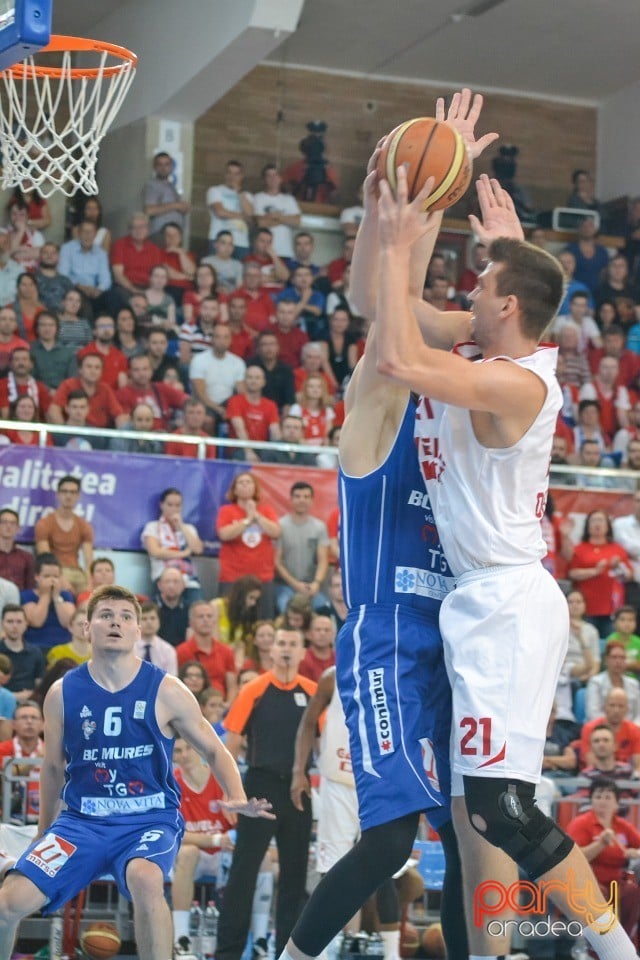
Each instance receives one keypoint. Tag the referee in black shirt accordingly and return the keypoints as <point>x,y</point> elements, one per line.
<point>267,712</point>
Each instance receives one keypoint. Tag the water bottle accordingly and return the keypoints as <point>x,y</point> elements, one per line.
<point>209,937</point>
<point>195,927</point>
<point>55,938</point>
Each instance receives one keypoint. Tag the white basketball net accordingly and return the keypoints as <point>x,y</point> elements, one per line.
<point>51,126</point>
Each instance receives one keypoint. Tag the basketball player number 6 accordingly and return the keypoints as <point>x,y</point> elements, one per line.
<point>471,724</point>
<point>112,725</point>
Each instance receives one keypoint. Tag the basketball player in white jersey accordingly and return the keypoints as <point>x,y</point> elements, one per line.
<point>484,442</point>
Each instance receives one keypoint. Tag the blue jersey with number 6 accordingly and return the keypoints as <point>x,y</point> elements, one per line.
<point>118,760</point>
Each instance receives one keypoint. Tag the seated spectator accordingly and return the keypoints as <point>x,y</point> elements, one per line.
<point>28,725</point>
<point>260,307</point>
<point>133,257</point>
<point>172,606</point>
<point>37,207</point>
<point>170,542</point>
<point>613,675</point>
<point>334,271</point>
<point>66,534</point>
<point>142,421</point>
<point>102,573</point>
<point>212,705</point>
<point>579,314</point>
<point>582,196</point>
<point>150,646</point>
<point>91,210</point>
<point>614,283</point>
<point>238,614</point>
<point>52,285</point>
<point>321,652</point>
<point>86,265</point>
<point>196,336</point>
<point>584,639</point>
<point>9,338</point>
<point>9,271</point>
<point>607,315</point>
<point>559,758</point>
<point>277,211</point>
<point>303,247</point>
<point>242,343</point>
<point>205,284</point>
<point>575,366</point>
<point>258,647</point>
<point>217,373</point>
<point>291,338</point>
<point>603,750</point>
<point>600,567</point>
<point>313,362</point>
<point>279,385</point>
<point>114,363</point>
<point>609,842</point>
<point>163,399</point>
<point>301,552</point>
<point>20,382</point>
<point>228,268</point>
<point>74,330</point>
<point>76,412</point>
<point>614,345</point>
<point>128,339</point>
<point>589,427</point>
<point>179,262</point>
<point>591,257</point>
<point>342,299</point>
<point>625,622</point>
<point>342,351</point>
<point>78,648</point>
<point>8,700</point>
<point>247,528</point>
<point>27,661</point>
<point>309,303</point>
<point>336,608</point>
<point>627,440</point>
<point>205,647</point>
<point>477,261</point>
<point>206,836</point>
<point>252,417</point>
<point>613,398</point>
<point>297,614</point>
<point>195,677</point>
<point>52,361</point>
<point>157,346</point>
<point>9,593</point>
<point>625,731</point>
<point>292,431</point>
<point>314,410</point>
<point>438,295</point>
<point>104,409</point>
<point>24,241</point>
<point>273,271</point>
<point>27,305</point>
<point>195,413</point>
<point>16,564</point>
<point>162,307</point>
<point>48,608</point>
<point>23,410</point>
<point>139,306</point>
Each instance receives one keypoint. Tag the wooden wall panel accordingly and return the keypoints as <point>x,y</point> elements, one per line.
<point>553,138</point>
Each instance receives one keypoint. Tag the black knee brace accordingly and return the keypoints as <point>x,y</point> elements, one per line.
<point>514,823</point>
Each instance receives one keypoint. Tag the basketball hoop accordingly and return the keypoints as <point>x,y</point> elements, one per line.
<point>53,117</point>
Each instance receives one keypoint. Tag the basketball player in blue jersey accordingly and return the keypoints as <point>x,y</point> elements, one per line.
<point>109,731</point>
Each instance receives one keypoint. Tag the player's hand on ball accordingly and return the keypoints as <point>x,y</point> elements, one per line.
<point>403,223</point>
<point>249,808</point>
<point>463,114</point>
<point>499,217</point>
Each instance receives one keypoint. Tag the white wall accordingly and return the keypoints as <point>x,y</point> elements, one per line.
<point>619,144</point>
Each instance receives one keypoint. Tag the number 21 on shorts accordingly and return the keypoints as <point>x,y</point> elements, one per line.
<point>476,737</point>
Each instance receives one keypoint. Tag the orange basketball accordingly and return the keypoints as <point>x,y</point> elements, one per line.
<point>432,941</point>
<point>409,941</point>
<point>100,941</point>
<point>428,148</point>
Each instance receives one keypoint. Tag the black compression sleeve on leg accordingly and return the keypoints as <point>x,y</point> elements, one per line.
<point>387,903</point>
<point>379,853</point>
<point>454,929</point>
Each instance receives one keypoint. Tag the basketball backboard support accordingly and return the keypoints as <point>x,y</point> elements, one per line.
<point>25,27</point>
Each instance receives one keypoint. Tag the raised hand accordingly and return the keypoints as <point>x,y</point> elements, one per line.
<point>248,808</point>
<point>499,217</point>
<point>463,114</point>
<point>403,223</point>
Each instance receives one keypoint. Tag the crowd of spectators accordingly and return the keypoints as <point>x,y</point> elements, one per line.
<point>257,341</point>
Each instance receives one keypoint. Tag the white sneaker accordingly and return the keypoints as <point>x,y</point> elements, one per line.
<point>183,950</point>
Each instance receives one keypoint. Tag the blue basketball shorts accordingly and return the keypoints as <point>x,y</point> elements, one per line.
<point>397,701</point>
<point>76,850</point>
